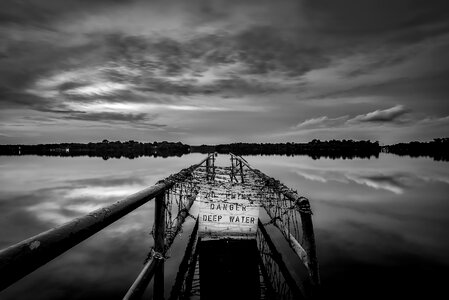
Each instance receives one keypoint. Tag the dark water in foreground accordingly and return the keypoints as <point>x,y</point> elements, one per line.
<point>381,225</point>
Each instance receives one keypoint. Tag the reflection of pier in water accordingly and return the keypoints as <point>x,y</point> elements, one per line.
<point>230,254</point>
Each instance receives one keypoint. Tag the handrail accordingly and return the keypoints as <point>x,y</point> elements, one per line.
<point>293,196</point>
<point>138,287</point>
<point>307,249</point>
<point>277,257</point>
<point>24,257</point>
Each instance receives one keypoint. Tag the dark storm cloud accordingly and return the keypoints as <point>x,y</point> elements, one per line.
<point>416,90</point>
<point>379,17</point>
<point>26,62</point>
<point>381,30</point>
<point>154,61</point>
<point>260,49</point>
<point>41,13</point>
<point>264,50</point>
<point>62,57</point>
<point>379,63</point>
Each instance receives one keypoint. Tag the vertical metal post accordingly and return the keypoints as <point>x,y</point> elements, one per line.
<point>207,166</point>
<point>232,168</point>
<point>241,170</point>
<point>309,246</point>
<point>159,245</point>
<point>213,166</point>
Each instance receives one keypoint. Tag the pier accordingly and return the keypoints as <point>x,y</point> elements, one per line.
<point>230,252</point>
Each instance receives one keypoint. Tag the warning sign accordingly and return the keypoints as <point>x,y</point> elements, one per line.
<point>237,218</point>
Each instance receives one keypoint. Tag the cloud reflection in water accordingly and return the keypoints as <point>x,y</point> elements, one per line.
<point>381,225</point>
<point>391,182</point>
<point>52,191</point>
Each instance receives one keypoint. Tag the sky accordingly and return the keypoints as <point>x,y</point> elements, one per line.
<point>208,72</point>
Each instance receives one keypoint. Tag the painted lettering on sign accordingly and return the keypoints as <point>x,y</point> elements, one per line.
<point>226,206</point>
<point>223,218</point>
<point>232,219</point>
<point>212,218</point>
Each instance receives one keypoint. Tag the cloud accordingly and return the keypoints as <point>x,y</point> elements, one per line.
<point>108,116</point>
<point>384,182</point>
<point>57,56</point>
<point>321,122</point>
<point>381,116</point>
<point>45,13</point>
<point>379,61</point>
<point>401,20</point>
<point>115,66</point>
<point>96,89</point>
<point>263,49</point>
<point>385,116</point>
<point>108,181</point>
<point>133,120</point>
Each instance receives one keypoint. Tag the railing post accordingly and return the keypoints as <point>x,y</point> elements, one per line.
<point>213,166</point>
<point>159,245</point>
<point>309,243</point>
<point>208,167</point>
<point>241,170</point>
<point>157,260</point>
<point>232,168</point>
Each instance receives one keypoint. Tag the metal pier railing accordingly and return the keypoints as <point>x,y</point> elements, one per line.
<point>174,197</point>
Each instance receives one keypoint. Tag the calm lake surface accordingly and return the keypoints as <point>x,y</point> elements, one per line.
<point>381,225</point>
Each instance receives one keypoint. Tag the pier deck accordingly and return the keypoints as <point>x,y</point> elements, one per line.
<point>230,254</point>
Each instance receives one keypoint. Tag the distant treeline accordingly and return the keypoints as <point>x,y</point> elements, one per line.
<point>438,149</point>
<point>104,149</point>
<point>315,149</point>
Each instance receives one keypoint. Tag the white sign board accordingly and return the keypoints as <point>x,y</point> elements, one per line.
<point>235,218</point>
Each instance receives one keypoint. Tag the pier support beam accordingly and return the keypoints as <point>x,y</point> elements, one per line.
<point>241,171</point>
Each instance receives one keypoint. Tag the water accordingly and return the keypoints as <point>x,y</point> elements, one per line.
<point>381,225</point>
